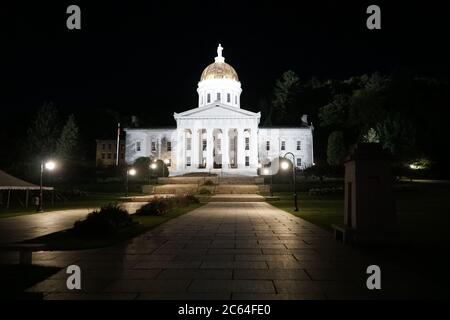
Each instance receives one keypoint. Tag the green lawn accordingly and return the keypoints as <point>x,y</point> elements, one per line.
<point>320,210</point>
<point>67,240</point>
<point>91,200</point>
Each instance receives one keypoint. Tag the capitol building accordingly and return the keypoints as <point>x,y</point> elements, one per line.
<point>219,136</point>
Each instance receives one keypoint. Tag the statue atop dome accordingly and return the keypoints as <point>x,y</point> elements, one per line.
<point>219,57</point>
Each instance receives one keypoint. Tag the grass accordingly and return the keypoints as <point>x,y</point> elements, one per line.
<point>92,200</point>
<point>67,240</point>
<point>16,278</point>
<point>320,210</point>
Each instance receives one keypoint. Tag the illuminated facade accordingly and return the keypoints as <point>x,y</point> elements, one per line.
<point>218,135</point>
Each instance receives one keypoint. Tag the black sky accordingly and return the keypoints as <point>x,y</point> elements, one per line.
<point>146,58</point>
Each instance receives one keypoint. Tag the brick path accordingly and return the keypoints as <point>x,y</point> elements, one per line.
<point>248,250</point>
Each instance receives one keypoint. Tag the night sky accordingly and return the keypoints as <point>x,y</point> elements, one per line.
<point>146,58</point>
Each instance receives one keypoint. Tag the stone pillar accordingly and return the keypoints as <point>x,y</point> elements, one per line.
<point>225,149</point>
<point>209,148</point>
<point>195,148</point>
<point>240,149</point>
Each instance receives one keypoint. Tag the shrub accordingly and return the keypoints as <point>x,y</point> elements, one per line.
<point>204,191</point>
<point>156,207</point>
<point>110,219</point>
<point>209,183</point>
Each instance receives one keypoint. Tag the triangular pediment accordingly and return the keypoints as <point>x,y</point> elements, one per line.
<point>217,110</point>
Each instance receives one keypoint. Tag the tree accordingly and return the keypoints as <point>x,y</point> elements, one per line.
<point>397,134</point>
<point>142,165</point>
<point>66,146</point>
<point>334,114</point>
<point>43,132</point>
<point>286,88</point>
<point>336,149</point>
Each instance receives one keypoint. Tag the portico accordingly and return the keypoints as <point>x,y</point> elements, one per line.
<point>209,139</point>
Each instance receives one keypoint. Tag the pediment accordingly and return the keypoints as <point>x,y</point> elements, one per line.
<point>217,110</point>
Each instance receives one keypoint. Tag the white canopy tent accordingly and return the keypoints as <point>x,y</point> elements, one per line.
<point>10,183</point>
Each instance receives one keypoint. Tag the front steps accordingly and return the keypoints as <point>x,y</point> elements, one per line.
<point>235,198</point>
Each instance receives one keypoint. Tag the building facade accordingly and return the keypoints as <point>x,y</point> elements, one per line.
<point>218,135</point>
<point>106,153</point>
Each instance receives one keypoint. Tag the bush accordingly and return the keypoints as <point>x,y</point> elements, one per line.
<point>209,183</point>
<point>109,220</point>
<point>156,207</point>
<point>160,206</point>
<point>204,191</point>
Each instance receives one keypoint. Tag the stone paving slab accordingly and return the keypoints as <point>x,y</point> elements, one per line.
<point>246,250</point>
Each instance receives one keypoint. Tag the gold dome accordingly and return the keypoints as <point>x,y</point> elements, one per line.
<point>219,70</point>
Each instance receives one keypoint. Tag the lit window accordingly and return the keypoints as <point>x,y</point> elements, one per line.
<point>267,145</point>
<point>153,145</point>
<point>204,144</point>
<point>299,145</point>
<point>299,162</point>
<point>188,161</point>
<point>247,143</point>
<point>228,97</point>
<point>208,98</point>
<point>169,146</point>
<point>138,146</point>
<point>169,162</point>
<point>247,161</point>
<point>188,143</point>
<point>283,145</point>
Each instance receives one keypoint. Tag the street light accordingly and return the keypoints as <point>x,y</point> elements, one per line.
<point>49,165</point>
<point>285,166</point>
<point>266,172</point>
<point>130,172</point>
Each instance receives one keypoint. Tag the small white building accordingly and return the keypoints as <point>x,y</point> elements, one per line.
<point>218,135</point>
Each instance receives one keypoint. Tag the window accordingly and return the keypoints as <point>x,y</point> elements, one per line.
<point>204,144</point>
<point>283,145</point>
<point>267,145</point>
<point>247,161</point>
<point>208,98</point>
<point>188,161</point>
<point>153,145</point>
<point>103,156</point>
<point>228,97</point>
<point>219,144</point>
<point>201,100</point>
<point>299,162</point>
<point>247,143</point>
<point>109,146</point>
<point>109,155</point>
<point>218,96</point>
<point>235,99</point>
<point>188,143</point>
<point>138,146</point>
<point>299,145</point>
<point>169,162</point>
<point>103,146</point>
<point>169,145</point>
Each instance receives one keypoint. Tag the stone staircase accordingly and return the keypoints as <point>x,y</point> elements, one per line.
<point>243,188</point>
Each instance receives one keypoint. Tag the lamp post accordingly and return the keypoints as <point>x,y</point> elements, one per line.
<point>266,172</point>
<point>49,165</point>
<point>153,166</point>
<point>130,172</point>
<point>285,166</point>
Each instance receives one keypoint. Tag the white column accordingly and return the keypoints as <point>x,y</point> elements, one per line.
<point>225,149</point>
<point>240,149</point>
<point>180,150</point>
<point>209,148</point>
<point>195,148</point>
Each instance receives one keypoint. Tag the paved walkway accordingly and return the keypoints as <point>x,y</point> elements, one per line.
<point>247,250</point>
<point>25,227</point>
